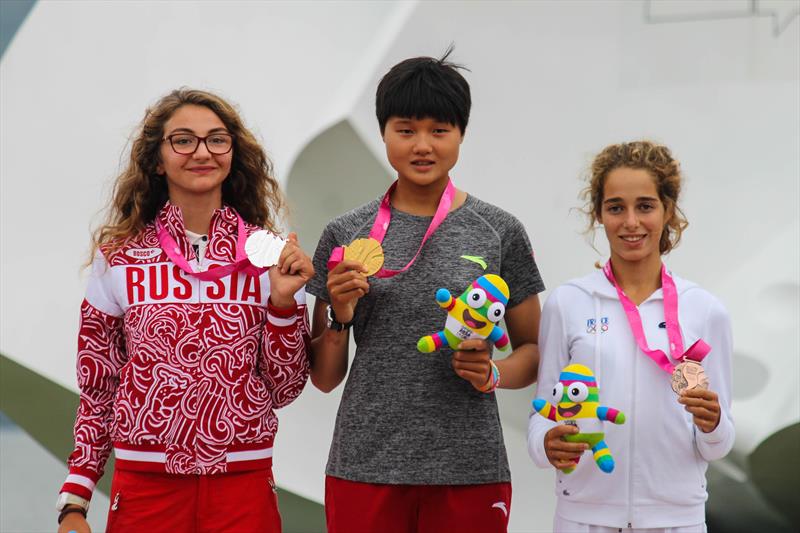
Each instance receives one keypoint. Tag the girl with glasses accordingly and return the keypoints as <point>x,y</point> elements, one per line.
<point>185,349</point>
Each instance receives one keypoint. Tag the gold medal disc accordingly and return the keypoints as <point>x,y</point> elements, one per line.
<point>368,252</point>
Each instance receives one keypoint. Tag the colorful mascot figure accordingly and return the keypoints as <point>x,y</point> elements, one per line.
<point>577,400</point>
<point>473,315</point>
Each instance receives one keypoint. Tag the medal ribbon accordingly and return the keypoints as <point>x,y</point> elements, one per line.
<point>696,351</point>
<point>384,218</point>
<point>241,261</point>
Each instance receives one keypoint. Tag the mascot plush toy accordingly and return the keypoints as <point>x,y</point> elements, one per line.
<point>577,402</point>
<point>473,315</point>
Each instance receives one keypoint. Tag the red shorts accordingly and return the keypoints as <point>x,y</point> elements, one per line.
<point>353,507</point>
<point>239,502</point>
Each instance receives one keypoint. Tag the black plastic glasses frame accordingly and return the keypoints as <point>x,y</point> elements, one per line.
<point>199,140</point>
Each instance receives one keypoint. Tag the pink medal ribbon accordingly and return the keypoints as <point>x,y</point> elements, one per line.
<point>241,262</point>
<point>383,219</point>
<point>696,351</point>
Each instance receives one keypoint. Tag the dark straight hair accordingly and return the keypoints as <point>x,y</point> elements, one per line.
<point>424,87</point>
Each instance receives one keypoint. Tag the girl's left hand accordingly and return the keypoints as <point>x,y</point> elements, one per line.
<point>471,362</point>
<point>293,270</point>
<point>703,404</point>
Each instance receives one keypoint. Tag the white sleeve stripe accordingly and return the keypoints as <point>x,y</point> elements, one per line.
<point>83,481</point>
<point>249,455</point>
<point>133,455</point>
<point>283,322</point>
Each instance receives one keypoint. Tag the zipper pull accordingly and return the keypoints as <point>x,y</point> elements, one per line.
<point>115,505</point>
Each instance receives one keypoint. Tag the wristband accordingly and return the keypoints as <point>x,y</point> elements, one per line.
<point>71,509</point>
<point>494,380</point>
<point>334,324</point>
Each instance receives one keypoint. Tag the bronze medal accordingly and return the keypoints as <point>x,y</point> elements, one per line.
<point>689,374</point>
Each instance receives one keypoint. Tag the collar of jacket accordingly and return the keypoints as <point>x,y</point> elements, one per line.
<point>221,234</point>
<point>598,285</point>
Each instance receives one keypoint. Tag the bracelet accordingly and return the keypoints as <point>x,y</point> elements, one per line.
<point>494,380</point>
<point>71,509</point>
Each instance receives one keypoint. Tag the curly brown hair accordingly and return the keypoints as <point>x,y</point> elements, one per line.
<point>139,192</point>
<point>656,159</point>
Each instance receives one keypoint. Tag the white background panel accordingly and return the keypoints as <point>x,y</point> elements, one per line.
<point>552,83</point>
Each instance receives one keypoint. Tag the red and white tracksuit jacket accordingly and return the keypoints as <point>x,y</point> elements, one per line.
<point>180,375</point>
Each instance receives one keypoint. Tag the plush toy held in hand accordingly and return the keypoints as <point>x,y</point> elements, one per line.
<point>473,315</point>
<point>577,399</point>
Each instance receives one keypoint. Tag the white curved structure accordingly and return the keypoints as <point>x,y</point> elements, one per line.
<point>552,84</point>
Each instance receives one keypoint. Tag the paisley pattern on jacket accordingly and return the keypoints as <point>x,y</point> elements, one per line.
<point>185,369</point>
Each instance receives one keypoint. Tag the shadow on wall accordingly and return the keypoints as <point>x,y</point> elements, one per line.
<point>334,173</point>
<point>775,470</point>
<point>12,15</point>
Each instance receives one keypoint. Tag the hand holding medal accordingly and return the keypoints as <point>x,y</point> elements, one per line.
<point>349,268</point>
<point>688,377</point>
<point>688,374</point>
<point>289,267</point>
<point>368,252</point>
<point>350,265</point>
<point>703,404</point>
<point>263,248</point>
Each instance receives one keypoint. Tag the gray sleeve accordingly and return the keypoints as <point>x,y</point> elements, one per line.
<point>518,266</point>
<point>318,284</point>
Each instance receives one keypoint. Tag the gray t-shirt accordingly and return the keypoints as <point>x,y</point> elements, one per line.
<point>406,417</point>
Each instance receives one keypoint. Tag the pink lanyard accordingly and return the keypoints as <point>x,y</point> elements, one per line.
<point>241,262</point>
<point>384,218</point>
<point>696,351</point>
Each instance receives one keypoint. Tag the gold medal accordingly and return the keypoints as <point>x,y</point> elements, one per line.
<point>689,374</point>
<point>368,252</point>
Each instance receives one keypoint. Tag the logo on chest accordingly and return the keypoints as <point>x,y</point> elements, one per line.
<point>591,325</point>
<point>143,253</point>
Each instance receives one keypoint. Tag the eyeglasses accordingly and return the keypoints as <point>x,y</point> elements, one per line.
<point>187,144</point>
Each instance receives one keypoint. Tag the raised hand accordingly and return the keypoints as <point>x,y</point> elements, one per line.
<point>293,270</point>
<point>703,404</point>
<point>347,283</point>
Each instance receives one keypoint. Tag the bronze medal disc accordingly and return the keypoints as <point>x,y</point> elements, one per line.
<point>689,375</point>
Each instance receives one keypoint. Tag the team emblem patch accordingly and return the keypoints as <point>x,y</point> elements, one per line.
<point>591,325</point>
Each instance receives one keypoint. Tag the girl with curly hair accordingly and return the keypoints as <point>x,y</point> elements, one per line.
<point>185,348</point>
<point>652,347</point>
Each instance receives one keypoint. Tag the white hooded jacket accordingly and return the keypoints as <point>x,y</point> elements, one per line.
<point>661,456</point>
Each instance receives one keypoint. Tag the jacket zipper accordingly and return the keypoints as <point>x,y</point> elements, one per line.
<point>631,451</point>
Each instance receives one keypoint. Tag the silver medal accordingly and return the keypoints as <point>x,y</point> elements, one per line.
<point>263,248</point>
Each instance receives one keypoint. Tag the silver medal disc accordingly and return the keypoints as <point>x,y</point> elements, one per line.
<point>263,248</point>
